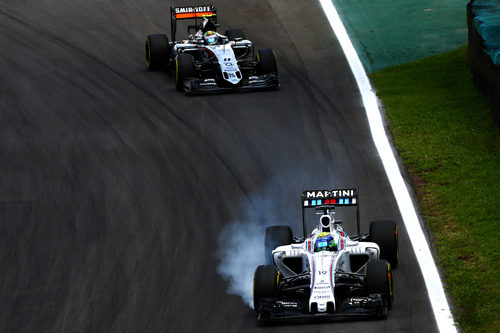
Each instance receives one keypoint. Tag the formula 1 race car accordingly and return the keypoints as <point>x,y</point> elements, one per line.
<point>208,61</point>
<point>327,273</point>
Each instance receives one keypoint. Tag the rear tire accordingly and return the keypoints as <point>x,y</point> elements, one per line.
<point>378,279</point>
<point>267,62</point>
<point>385,234</point>
<point>277,235</point>
<point>157,52</point>
<point>265,284</point>
<point>184,68</point>
<point>231,34</point>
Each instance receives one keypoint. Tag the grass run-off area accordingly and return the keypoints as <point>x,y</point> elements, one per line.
<point>443,130</point>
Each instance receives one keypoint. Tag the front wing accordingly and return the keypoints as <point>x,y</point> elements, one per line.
<point>369,306</point>
<point>261,82</point>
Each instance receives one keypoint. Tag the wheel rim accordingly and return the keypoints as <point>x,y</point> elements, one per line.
<point>275,61</point>
<point>277,283</point>
<point>397,247</point>
<point>148,53</point>
<point>176,72</point>
<point>389,278</point>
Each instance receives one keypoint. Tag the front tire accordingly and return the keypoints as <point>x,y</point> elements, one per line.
<point>275,236</point>
<point>157,52</point>
<point>184,68</point>
<point>267,62</point>
<point>378,279</point>
<point>265,284</point>
<point>385,234</point>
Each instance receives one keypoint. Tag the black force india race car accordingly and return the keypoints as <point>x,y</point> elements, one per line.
<point>327,273</point>
<point>208,61</point>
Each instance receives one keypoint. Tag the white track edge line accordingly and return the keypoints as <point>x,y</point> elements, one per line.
<point>435,290</point>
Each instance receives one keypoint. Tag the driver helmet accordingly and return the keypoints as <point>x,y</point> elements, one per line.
<point>210,37</point>
<point>325,242</point>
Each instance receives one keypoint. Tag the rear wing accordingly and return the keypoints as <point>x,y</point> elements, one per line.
<point>190,12</point>
<point>329,199</point>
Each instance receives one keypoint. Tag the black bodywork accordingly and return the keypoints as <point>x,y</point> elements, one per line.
<point>292,301</point>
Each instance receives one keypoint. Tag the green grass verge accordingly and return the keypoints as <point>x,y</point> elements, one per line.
<point>443,130</point>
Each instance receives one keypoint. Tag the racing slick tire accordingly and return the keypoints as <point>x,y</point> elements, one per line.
<point>184,68</point>
<point>378,279</point>
<point>275,236</point>
<point>157,52</point>
<point>231,34</point>
<point>265,284</point>
<point>267,62</point>
<point>385,234</point>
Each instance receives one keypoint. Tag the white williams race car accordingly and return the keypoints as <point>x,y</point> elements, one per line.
<point>208,61</point>
<point>327,273</point>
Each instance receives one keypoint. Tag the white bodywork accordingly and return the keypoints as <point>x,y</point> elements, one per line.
<point>223,53</point>
<point>227,61</point>
<point>323,265</point>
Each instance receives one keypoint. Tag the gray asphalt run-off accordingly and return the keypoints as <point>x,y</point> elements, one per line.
<point>115,188</point>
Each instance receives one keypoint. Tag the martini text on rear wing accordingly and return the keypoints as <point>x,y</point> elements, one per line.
<point>329,199</point>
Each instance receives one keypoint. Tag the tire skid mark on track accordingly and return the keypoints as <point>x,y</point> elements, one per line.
<point>156,229</point>
<point>90,56</point>
<point>324,107</point>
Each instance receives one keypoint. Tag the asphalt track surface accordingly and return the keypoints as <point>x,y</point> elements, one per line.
<point>115,187</point>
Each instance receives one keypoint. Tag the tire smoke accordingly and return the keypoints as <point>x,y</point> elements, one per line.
<point>241,241</point>
<point>241,250</point>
